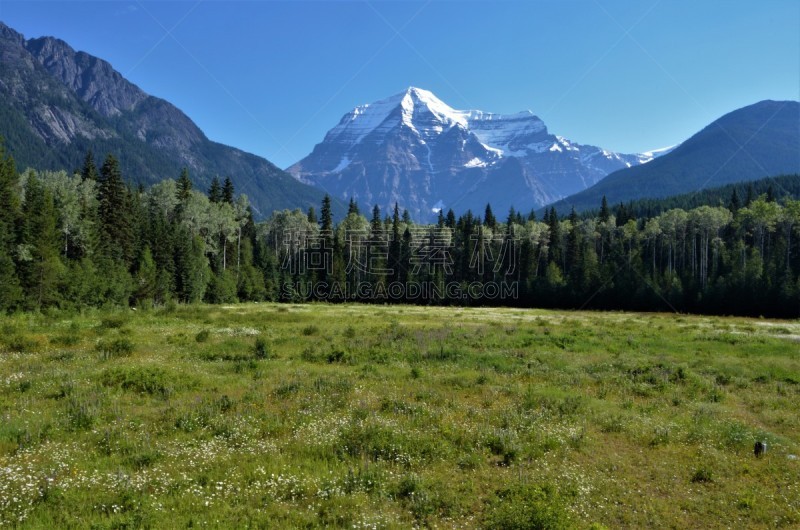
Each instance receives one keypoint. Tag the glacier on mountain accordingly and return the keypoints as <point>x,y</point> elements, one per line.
<point>416,150</point>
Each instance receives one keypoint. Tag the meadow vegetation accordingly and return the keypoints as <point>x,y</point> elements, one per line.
<point>267,415</point>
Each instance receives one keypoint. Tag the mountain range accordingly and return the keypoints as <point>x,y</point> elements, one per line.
<point>760,140</point>
<point>416,150</point>
<point>411,149</point>
<point>57,103</point>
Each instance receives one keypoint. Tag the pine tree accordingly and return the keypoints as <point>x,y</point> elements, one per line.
<point>146,279</point>
<point>376,224</point>
<point>394,245</point>
<point>512,218</point>
<point>41,266</point>
<point>89,171</point>
<point>353,207</point>
<point>184,185</point>
<point>10,291</point>
<point>228,191</point>
<point>556,252</point>
<point>574,246</point>
<point>751,195</point>
<point>215,191</point>
<point>488,218</point>
<point>734,204</point>
<point>450,220</point>
<point>605,213</point>
<point>312,216</point>
<point>326,228</point>
<point>326,214</point>
<point>117,238</point>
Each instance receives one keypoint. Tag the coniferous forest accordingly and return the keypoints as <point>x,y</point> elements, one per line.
<point>89,239</point>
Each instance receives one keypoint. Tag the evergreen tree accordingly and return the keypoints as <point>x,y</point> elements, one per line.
<point>115,213</point>
<point>89,171</point>
<point>376,224</point>
<point>488,218</point>
<point>184,185</point>
<point>312,216</point>
<point>146,279</point>
<point>215,191</point>
<point>10,291</point>
<point>751,195</point>
<point>327,214</point>
<point>395,246</point>
<point>574,247</point>
<point>326,228</point>
<point>353,207</point>
<point>228,191</point>
<point>605,213</point>
<point>734,204</point>
<point>450,221</point>
<point>512,218</point>
<point>40,265</point>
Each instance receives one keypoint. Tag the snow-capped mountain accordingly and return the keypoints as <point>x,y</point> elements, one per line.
<point>416,150</point>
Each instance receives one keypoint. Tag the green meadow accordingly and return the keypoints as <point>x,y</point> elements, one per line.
<point>365,416</point>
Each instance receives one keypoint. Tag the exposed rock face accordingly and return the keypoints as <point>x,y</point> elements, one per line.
<point>56,103</point>
<point>416,150</point>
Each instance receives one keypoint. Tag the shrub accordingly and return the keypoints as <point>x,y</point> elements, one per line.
<point>702,475</point>
<point>66,339</point>
<point>261,349</point>
<point>112,322</point>
<point>202,336</point>
<point>146,380</point>
<point>503,447</point>
<point>336,356</point>
<point>525,506</point>
<point>310,330</point>
<point>20,343</point>
<point>115,348</point>
<point>81,413</point>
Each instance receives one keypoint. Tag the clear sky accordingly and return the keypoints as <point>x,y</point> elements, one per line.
<point>271,77</point>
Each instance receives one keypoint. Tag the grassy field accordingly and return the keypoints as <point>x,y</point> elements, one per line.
<point>395,417</point>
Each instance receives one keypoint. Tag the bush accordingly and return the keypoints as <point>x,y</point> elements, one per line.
<point>20,343</point>
<point>81,413</point>
<point>202,336</point>
<point>310,330</point>
<point>112,323</point>
<point>336,356</point>
<point>702,475</point>
<point>261,349</point>
<point>115,348</point>
<point>65,340</point>
<point>528,507</point>
<point>147,380</point>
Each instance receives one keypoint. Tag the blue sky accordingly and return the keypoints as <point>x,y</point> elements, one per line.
<point>271,77</point>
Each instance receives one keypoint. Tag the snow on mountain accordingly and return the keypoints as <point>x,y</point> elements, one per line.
<point>414,149</point>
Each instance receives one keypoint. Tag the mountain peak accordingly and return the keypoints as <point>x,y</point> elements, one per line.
<point>415,149</point>
<point>8,33</point>
<point>56,103</point>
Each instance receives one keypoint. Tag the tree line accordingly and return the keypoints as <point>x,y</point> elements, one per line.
<point>89,239</point>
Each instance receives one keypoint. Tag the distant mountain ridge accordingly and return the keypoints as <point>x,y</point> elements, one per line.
<point>751,143</point>
<point>416,150</point>
<point>56,103</point>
